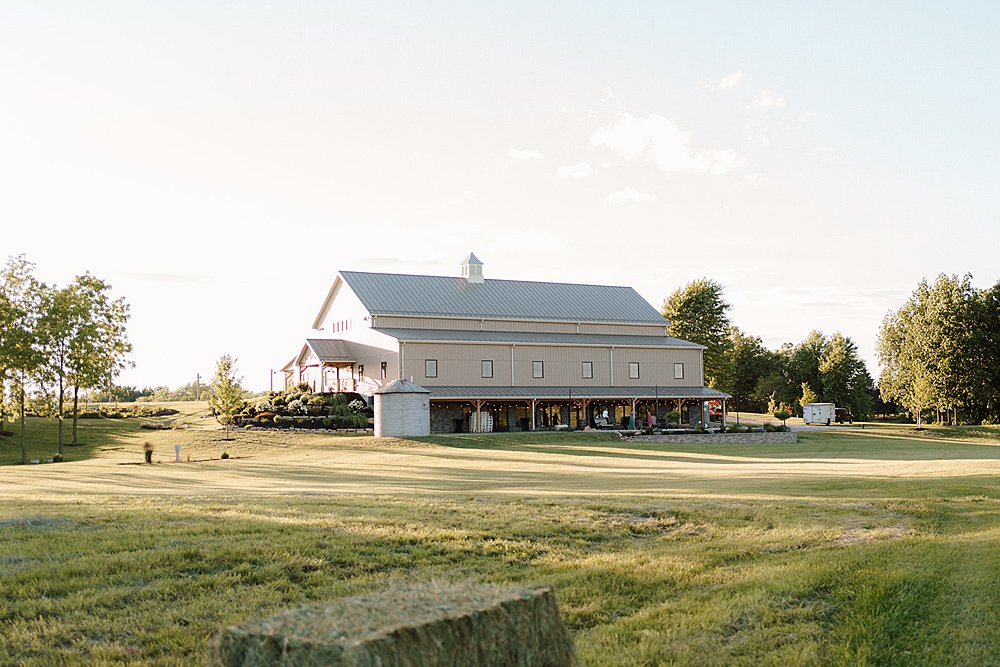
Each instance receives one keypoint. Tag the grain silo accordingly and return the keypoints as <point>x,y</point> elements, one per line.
<point>402,409</point>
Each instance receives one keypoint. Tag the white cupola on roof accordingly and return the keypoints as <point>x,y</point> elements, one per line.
<point>472,269</point>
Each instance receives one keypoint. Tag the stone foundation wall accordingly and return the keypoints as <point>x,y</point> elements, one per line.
<point>443,418</point>
<point>788,438</point>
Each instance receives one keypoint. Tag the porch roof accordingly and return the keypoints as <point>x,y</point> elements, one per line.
<point>331,351</point>
<point>443,393</point>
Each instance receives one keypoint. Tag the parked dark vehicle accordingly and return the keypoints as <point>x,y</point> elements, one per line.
<point>843,415</point>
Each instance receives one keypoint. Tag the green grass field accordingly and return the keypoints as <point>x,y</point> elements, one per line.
<point>873,546</point>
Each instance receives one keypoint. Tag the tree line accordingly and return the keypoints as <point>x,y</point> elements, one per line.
<point>819,368</point>
<point>56,342</point>
<point>940,352</point>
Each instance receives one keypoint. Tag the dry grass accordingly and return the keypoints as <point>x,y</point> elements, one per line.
<point>848,548</point>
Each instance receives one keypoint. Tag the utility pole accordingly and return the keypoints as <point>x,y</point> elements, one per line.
<point>197,387</point>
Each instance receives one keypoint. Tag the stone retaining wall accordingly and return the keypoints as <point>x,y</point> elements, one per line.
<point>786,438</point>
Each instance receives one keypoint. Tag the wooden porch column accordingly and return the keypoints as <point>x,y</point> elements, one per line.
<point>479,407</point>
<point>322,377</point>
<point>338,379</point>
<point>354,379</point>
<point>680,411</point>
<point>532,414</point>
<point>723,413</point>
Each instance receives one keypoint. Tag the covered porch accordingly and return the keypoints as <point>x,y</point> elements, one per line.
<point>484,409</point>
<point>325,365</point>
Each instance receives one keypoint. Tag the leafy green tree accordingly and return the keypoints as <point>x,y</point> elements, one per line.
<point>804,360</point>
<point>697,312</point>
<point>227,393</point>
<point>99,346</point>
<point>844,378</point>
<point>934,351</point>
<point>750,362</point>
<point>8,318</point>
<point>808,395</point>
<point>22,357</point>
<point>955,340</point>
<point>988,351</point>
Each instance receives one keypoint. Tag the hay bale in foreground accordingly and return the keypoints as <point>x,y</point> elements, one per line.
<point>433,624</point>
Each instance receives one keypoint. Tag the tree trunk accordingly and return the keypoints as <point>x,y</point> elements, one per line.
<point>76,408</point>
<point>60,402</point>
<point>24,437</point>
<point>3,413</point>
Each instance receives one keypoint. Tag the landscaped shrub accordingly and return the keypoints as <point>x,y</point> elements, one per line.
<point>147,452</point>
<point>225,455</point>
<point>149,426</point>
<point>57,458</point>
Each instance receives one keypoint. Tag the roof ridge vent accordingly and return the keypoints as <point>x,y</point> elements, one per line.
<point>472,270</point>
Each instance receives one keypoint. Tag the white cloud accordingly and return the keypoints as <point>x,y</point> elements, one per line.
<point>630,195</point>
<point>665,144</point>
<point>466,196</point>
<point>524,154</point>
<point>574,171</point>
<point>767,100</point>
<point>731,80</point>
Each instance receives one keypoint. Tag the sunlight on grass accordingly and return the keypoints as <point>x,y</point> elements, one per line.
<point>846,548</point>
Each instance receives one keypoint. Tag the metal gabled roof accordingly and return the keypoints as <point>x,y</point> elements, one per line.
<point>329,350</point>
<point>412,295</point>
<point>403,386</point>
<point>523,338</point>
<point>488,393</point>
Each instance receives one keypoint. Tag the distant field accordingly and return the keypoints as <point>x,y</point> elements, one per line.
<point>851,547</point>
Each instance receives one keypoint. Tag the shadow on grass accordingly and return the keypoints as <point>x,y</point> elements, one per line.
<point>827,446</point>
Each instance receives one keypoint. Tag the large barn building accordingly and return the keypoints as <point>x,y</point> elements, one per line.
<point>503,354</point>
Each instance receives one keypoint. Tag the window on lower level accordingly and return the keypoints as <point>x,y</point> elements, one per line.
<point>537,369</point>
<point>487,368</point>
<point>430,368</point>
<point>633,370</point>
<point>678,371</point>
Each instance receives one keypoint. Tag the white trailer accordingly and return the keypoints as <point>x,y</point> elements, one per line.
<point>819,413</point>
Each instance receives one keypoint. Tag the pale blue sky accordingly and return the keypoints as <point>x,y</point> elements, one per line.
<point>218,162</point>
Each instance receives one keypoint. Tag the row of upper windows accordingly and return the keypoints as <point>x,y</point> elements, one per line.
<point>538,369</point>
